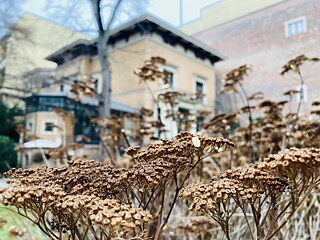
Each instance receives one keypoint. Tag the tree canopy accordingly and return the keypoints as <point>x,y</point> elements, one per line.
<point>8,126</point>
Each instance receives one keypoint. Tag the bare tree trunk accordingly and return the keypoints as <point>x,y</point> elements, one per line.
<point>103,38</point>
<point>105,109</point>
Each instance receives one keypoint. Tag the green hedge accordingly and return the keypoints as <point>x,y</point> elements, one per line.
<point>8,155</point>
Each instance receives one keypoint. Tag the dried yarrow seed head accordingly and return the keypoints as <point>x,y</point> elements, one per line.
<point>222,125</point>
<point>148,175</point>
<point>293,163</point>
<point>195,224</point>
<point>81,177</point>
<point>256,96</point>
<point>294,64</point>
<point>233,77</point>
<point>185,146</point>
<point>151,70</point>
<point>105,212</point>
<point>243,184</point>
<point>170,97</point>
<point>131,151</point>
<point>251,176</point>
<point>82,89</point>
<point>86,190</point>
<point>209,196</point>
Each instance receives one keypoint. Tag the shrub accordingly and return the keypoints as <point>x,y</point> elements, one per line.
<point>8,155</point>
<point>8,126</point>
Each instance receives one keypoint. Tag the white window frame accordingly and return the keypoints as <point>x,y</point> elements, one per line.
<point>294,20</point>
<point>174,71</point>
<point>192,109</point>
<point>305,93</point>
<point>203,80</point>
<point>98,77</point>
<point>43,126</point>
<point>30,127</point>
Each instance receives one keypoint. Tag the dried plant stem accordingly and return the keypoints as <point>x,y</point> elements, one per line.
<point>294,123</point>
<point>271,235</point>
<point>256,216</point>
<point>247,221</point>
<point>300,100</point>
<point>235,102</point>
<point>250,121</point>
<point>105,147</point>
<point>125,137</point>
<point>150,91</point>
<point>177,191</point>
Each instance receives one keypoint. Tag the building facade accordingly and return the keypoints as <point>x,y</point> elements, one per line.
<point>189,62</point>
<point>25,49</point>
<point>266,35</point>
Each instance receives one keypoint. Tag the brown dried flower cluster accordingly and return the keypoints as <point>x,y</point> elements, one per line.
<point>233,77</point>
<point>93,194</point>
<point>81,177</point>
<point>151,70</point>
<point>82,89</point>
<point>186,145</point>
<point>221,124</point>
<point>240,184</point>
<point>85,194</point>
<point>256,187</point>
<point>267,128</point>
<point>161,160</point>
<point>295,64</point>
<point>74,209</point>
<point>200,225</point>
<point>292,163</point>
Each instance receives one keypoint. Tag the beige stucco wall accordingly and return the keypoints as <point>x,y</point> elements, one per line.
<point>126,88</point>
<point>28,51</point>
<point>77,68</point>
<point>224,11</point>
<point>42,38</point>
<point>35,124</point>
<point>125,58</point>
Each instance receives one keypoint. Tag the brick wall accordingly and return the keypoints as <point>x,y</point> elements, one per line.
<point>259,39</point>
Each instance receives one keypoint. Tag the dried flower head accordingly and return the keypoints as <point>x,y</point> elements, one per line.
<point>294,64</point>
<point>82,89</point>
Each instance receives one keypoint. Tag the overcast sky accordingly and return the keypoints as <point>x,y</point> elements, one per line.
<point>168,10</point>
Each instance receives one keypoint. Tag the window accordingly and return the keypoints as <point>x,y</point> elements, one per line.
<point>200,88</point>
<point>200,122</point>
<point>30,127</point>
<point>295,26</point>
<point>96,77</point>
<point>183,121</point>
<point>171,79</point>
<point>303,96</point>
<point>48,127</point>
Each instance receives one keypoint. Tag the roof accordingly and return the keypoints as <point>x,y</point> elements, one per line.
<point>42,143</point>
<point>144,25</point>
<point>116,106</point>
<point>122,107</point>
